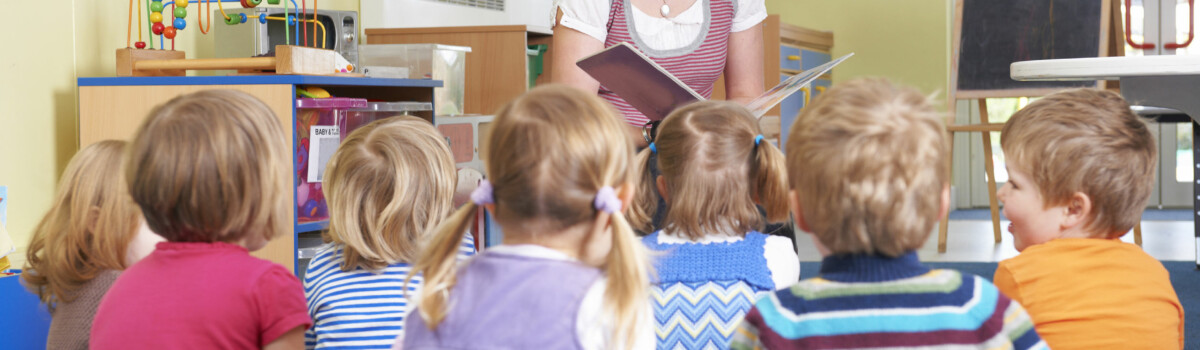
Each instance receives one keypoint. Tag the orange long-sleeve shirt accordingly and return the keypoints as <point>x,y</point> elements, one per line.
<point>1085,293</point>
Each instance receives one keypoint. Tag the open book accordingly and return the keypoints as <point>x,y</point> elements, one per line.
<point>650,89</point>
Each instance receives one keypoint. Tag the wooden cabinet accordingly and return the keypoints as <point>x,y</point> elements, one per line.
<point>113,108</point>
<point>497,66</point>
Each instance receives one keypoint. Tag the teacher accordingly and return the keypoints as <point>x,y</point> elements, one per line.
<point>694,40</point>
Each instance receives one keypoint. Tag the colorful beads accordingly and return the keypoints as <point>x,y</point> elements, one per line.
<point>180,24</point>
<point>291,20</point>
<point>181,3</point>
<point>231,20</point>
<point>169,32</point>
<point>262,18</point>
<point>140,44</point>
<point>180,12</point>
<point>157,28</point>
<point>156,6</point>
<point>243,16</point>
<point>156,17</point>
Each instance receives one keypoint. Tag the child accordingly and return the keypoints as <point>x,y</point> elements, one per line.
<point>569,273</point>
<point>1081,167</point>
<point>80,246</point>
<point>866,165</point>
<point>389,183</point>
<point>209,171</point>
<point>715,168</point>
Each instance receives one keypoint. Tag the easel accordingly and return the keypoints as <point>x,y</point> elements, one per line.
<point>1111,44</point>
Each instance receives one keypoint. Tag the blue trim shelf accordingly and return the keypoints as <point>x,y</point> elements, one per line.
<point>259,80</point>
<point>312,226</point>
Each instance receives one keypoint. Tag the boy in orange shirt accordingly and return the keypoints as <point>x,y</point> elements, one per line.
<point>1081,167</point>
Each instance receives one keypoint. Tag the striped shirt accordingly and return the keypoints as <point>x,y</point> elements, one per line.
<point>896,303</point>
<point>359,309</point>
<point>697,65</point>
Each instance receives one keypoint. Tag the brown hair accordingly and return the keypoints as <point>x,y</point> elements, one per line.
<point>548,154</point>
<point>389,182</point>
<point>867,161</point>
<point>714,173</point>
<point>1085,140</point>
<point>212,166</point>
<point>88,228</point>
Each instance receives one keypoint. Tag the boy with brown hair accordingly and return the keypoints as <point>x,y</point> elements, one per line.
<point>866,169</point>
<point>1081,167</point>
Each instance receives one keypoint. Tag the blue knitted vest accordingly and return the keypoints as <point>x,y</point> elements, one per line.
<point>703,290</point>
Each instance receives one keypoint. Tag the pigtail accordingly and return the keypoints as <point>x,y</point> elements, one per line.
<point>628,269</point>
<point>769,181</point>
<point>438,265</point>
<point>645,202</point>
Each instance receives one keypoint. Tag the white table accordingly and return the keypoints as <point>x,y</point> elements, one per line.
<point>1159,81</point>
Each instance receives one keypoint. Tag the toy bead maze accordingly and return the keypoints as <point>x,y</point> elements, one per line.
<point>143,59</point>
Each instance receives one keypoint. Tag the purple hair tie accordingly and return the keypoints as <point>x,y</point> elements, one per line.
<point>483,194</point>
<point>607,201</point>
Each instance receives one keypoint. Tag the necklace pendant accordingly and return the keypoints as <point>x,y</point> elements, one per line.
<point>665,10</point>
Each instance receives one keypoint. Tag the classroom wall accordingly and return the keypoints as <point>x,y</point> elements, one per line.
<point>906,41</point>
<point>43,55</point>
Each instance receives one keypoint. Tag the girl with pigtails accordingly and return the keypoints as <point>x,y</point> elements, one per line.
<point>713,262</point>
<point>569,273</point>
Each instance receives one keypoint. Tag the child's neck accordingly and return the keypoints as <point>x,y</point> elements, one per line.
<point>569,241</point>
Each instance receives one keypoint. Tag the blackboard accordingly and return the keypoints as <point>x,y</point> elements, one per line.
<point>992,34</point>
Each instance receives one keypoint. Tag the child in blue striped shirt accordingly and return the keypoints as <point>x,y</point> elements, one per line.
<point>388,184</point>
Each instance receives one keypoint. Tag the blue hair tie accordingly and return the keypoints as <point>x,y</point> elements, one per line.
<point>653,149</point>
<point>758,139</point>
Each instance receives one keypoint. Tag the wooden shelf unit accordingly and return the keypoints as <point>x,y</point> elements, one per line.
<point>113,108</point>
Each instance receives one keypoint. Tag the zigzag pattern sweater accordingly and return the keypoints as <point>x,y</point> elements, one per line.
<point>704,290</point>
<point>861,302</point>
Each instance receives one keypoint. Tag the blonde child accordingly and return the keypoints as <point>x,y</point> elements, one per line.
<point>83,243</point>
<point>389,183</point>
<point>1081,167</point>
<point>569,272</point>
<point>209,171</point>
<point>866,167</point>
<point>716,167</point>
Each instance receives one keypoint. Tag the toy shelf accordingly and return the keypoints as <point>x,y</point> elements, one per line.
<point>113,108</point>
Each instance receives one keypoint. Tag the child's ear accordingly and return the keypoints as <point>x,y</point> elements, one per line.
<point>794,203</point>
<point>661,183</point>
<point>625,193</point>
<point>93,217</point>
<point>1077,211</point>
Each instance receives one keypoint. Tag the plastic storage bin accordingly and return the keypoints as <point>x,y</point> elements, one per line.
<point>318,129</point>
<point>425,61</point>
<point>379,110</point>
<point>537,54</point>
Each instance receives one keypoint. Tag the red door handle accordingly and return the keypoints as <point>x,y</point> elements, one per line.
<point>1129,31</point>
<point>1191,28</point>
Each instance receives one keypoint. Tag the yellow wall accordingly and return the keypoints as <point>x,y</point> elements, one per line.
<point>906,41</point>
<point>43,56</point>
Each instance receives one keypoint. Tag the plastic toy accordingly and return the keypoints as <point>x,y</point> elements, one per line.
<point>169,28</point>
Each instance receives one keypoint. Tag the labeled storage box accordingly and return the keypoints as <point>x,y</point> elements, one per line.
<point>318,133</point>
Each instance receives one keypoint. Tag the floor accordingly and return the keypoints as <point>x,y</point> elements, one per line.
<point>971,240</point>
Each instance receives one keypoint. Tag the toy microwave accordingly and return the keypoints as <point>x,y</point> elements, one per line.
<point>263,29</point>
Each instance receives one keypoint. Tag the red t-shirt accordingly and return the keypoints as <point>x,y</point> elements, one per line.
<point>199,296</point>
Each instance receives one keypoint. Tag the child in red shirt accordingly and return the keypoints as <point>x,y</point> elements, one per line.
<point>205,169</point>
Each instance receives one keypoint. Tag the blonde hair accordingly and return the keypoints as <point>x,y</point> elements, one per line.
<point>714,173</point>
<point>88,228</point>
<point>548,154</point>
<point>389,182</point>
<point>1085,140</point>
<point>212,166</point>
<point>867,160</point>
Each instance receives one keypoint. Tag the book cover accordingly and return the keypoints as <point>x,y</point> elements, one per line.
<point>652,90</point>
<point>645,85</point>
